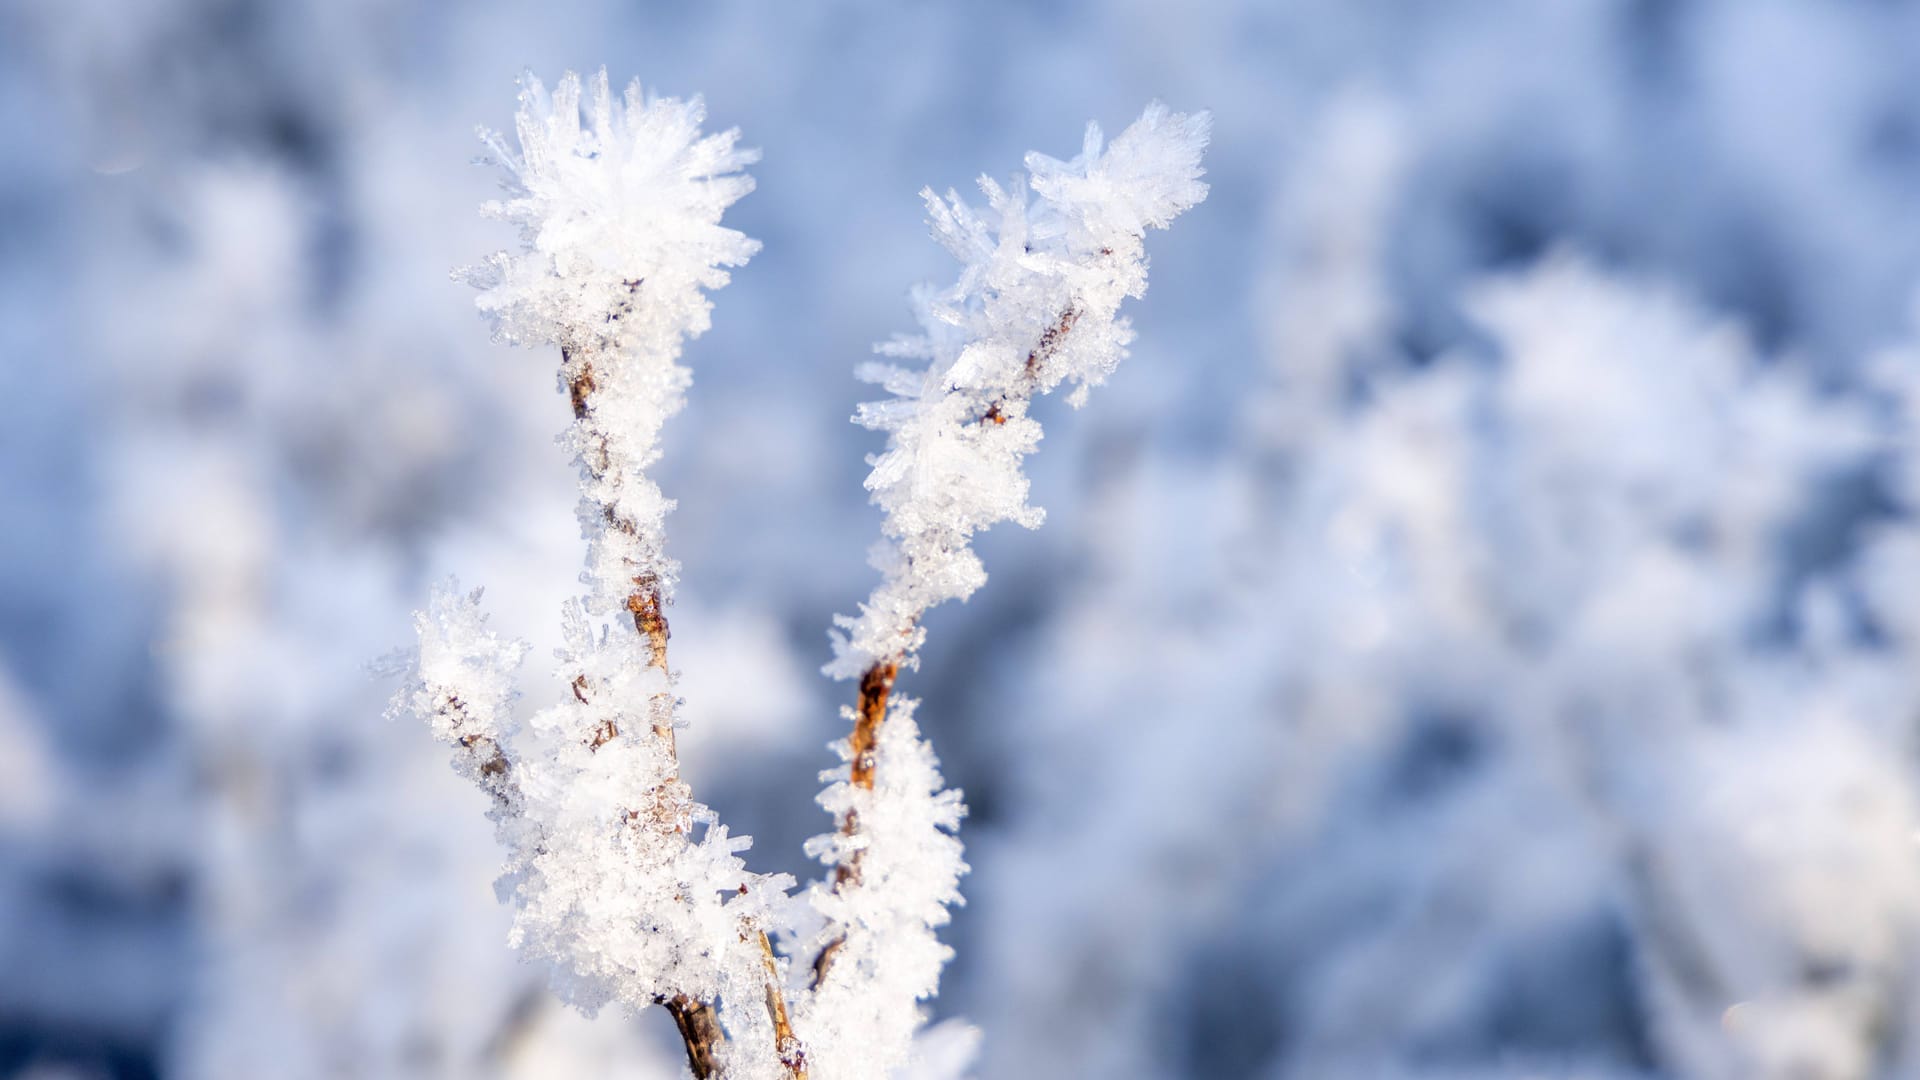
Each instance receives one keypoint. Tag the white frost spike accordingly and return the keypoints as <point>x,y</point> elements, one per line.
<point>1037,304</point>
<point>630,201</point>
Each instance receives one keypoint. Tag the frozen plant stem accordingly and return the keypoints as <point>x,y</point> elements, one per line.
<point>1046,265</point>
<point>630,889</point>
<point>876,683</point>
<point>698,1021</point>
<point>700,1033</point>
<point>643,601</point>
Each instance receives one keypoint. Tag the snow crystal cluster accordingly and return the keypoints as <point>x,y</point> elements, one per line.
<point>629,200</point>
<point>633,890</point>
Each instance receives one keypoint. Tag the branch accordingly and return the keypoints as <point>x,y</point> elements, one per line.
<point>1036,306</point>
<point>793,1055</point>
<point>697,1021</point>
<point>700,1031</point>
<point>618,204</point>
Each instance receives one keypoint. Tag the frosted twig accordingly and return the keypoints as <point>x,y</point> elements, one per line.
<point>1036,305</point>
<point>638,899</point>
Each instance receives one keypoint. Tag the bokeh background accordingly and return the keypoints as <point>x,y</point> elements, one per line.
<point>1473,636</point>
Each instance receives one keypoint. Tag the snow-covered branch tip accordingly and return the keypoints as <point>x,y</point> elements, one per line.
<point>1045,266</point>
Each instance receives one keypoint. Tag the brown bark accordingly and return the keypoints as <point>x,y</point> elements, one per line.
<point>786,1043</point>
<point>875,687</point>
<point>699,1028</point>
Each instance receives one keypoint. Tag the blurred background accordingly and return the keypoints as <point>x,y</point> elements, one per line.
<point>1477,634</point>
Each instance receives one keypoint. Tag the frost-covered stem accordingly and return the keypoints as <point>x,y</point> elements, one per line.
<point>876,684</point>
<point>1036,363</point>
<point>697,1021</point>
<point>481,757</point>
<point>630,887</point>
<point>1045,267</point>
<point>643,601</point>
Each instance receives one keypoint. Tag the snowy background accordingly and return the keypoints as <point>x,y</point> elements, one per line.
<point>1476,635</point>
